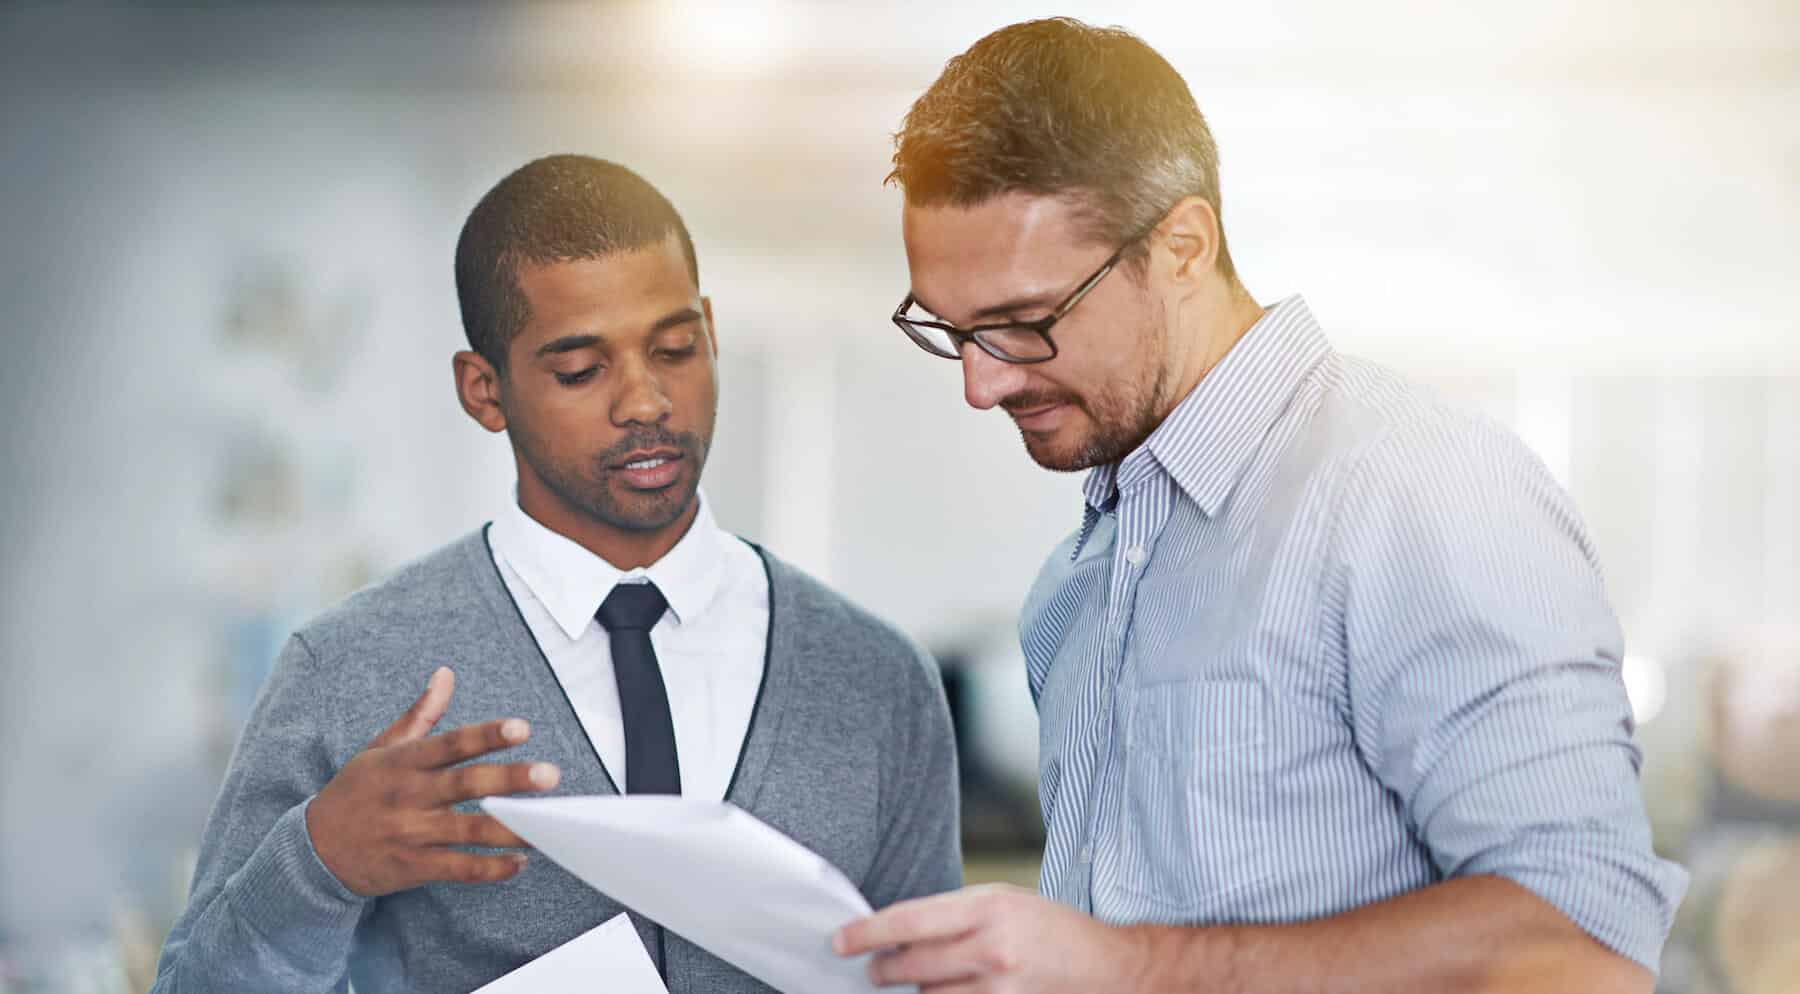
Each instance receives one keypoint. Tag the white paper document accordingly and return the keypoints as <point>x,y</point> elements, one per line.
<point>610,958</point>
<point>710,872</point>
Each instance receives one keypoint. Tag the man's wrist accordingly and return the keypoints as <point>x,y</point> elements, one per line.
<point>1137,947</point>
<point>1177,959</point>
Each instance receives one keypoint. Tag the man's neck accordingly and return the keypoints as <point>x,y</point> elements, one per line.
<point>1216,332</point>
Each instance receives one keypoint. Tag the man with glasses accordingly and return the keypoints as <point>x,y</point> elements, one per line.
<point>1328,681</point>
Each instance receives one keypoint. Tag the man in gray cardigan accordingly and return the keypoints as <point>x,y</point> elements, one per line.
<point>602,635</point>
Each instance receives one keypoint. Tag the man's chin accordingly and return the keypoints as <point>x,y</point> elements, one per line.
<point>1053,453</point>
<point>644,511</point>
<point>649,512</point>
<point>1071,451</point>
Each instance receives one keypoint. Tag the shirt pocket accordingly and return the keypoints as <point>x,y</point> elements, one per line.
<point>1197,801</point>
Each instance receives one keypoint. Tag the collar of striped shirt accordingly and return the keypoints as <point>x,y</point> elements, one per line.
<point>1206,441</point>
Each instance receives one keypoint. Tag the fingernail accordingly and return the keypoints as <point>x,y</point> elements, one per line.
<point>544,775</point>
<point>437,677</point>
<point>515,730</point>
<point>837,943</point>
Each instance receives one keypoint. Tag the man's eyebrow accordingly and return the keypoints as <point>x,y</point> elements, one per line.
<point>572,343</point>
<point>1019,303</point>
<point>568,343</point>
<point>674,319</point>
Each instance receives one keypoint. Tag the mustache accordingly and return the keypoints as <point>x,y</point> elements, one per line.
<point>648,438</point>
<point>1029,399</point>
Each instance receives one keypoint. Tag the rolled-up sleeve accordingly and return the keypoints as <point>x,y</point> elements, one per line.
<point>1484,671</point>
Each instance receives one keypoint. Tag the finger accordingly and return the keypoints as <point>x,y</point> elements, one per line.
<point>924,919</point>
<point>424,713</point>
<point>454,829</point>
<point>941,962</point>
<point>466,783</point>
<point>452,747</point>
<point>468,868</point>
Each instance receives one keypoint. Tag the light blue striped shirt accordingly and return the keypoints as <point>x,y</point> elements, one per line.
<point>1322,640</point>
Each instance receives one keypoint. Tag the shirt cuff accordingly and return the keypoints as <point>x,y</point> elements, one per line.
<point>1625,900</point>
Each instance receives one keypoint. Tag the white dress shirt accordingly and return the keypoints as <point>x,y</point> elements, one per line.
<point>710,644</point>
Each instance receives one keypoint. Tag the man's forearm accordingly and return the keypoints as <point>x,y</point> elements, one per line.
<point>1474,935</point>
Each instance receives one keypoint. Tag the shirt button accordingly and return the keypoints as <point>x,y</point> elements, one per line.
<point>1086,856</point>
<point>1135,555</point>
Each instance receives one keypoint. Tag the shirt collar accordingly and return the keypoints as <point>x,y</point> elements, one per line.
<point>571,582</point>
<point>1206,442</point>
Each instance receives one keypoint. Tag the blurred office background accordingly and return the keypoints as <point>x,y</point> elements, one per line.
<point>226,295</point>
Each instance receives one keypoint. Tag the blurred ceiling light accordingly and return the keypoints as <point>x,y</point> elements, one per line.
<point>1647,685</point>
<point>704,38</point>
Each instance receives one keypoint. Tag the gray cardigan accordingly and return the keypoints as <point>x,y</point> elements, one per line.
<point>849,751</point>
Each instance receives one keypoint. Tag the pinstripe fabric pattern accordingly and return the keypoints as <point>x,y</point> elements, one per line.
<point>1322,640</point>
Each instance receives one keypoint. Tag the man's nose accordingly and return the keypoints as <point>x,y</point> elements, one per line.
<point>642,399</point>
<point>986,380</point>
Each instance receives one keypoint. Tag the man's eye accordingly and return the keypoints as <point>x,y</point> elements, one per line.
<point>571,379</point>
<point>676,355</point>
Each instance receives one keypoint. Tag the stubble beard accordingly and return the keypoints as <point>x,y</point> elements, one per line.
<point>590,491</point>
<point>1121,418</point>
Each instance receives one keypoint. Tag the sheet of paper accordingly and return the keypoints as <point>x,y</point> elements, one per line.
<point>609,958</point>
<point>710,872</point>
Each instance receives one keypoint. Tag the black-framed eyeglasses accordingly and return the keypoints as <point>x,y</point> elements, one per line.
<point>1007,341</point>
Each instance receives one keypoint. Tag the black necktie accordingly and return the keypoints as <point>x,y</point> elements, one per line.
<point>628,614</point>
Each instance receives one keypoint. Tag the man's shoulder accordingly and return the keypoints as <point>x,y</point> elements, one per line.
<point>1398,434</point>
<point>1433,470</point>
<point>437,592</point>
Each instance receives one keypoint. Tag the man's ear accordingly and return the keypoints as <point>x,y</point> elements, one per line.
<point>1192,234</point>
<point>478,388</point>
<point>712,334</point>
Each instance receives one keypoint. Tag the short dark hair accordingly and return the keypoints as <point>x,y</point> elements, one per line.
<point>552,209</point>
<point>1058,107</point>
